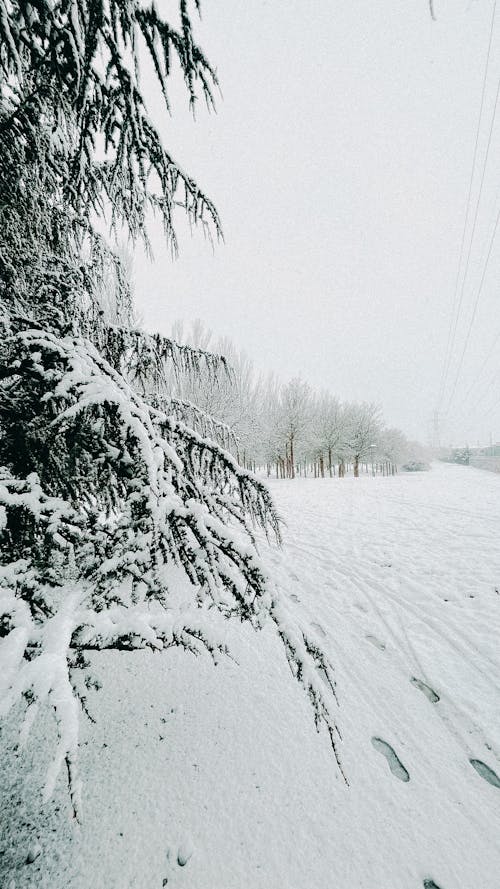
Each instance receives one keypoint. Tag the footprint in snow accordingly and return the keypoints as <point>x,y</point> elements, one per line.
<point>33,852</point>
<point>429,692</point>
<point>319,629</point>
<point>488,774</point>
<point>376,642</point>
<point>294,597</point>
<point>180,857</point>
<point>396,766</point>
<point>184,853</point>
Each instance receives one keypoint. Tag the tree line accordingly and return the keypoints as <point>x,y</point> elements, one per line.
<point>287,428</point>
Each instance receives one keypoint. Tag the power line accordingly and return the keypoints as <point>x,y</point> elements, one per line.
<point>485,414</point>
<point>480,371</point>
<point>473,420</point>
<point>456,311</point>
<point>471,242</point>
<point>486,391</point>
<point>474,312</point>
<point>492,408</point>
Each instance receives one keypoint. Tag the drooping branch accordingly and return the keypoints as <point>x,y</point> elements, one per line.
<point>137,491</point>
<point>80,59</point>
<point>38,660</point>
<point>176,489</point>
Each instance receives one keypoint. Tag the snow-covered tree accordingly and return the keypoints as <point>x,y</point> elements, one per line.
<point>232,397</point>
<point>293,417</point>
<point>109,480</point>
<point>362,433</point>
<point>331,430</point>
<point>392,447</point>
<point>268,447</point>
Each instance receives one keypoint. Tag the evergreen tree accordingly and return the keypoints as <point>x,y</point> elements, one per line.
<point>108,480</point>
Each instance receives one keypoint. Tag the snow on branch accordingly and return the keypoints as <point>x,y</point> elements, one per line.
<point>138,491</point>
<point>311,668</point>
<point>147,358</point>
<point>82,58</point>
<point>112,479</point>
<point>34,665</point>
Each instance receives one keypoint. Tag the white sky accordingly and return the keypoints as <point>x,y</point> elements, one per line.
<point>339,160</point>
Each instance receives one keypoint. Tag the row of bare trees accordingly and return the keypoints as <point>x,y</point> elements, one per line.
<point>310,433</point>
<point>288,428</point>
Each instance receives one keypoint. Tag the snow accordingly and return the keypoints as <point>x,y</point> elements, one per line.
<point>215,777</point>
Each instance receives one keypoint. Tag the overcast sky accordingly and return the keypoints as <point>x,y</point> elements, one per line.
<point>339,160</point>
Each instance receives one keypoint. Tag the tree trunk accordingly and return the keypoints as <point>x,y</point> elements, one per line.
<point>356,466</point>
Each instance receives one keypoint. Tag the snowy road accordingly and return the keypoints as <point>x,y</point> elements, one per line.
<point>214,778</point>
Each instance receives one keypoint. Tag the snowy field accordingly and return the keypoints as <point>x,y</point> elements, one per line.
<point>215,778</point>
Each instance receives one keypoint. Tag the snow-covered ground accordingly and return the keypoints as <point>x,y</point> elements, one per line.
<point>215,778</point>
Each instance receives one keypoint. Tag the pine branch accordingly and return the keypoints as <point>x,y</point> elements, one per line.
<point>52,54</point>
